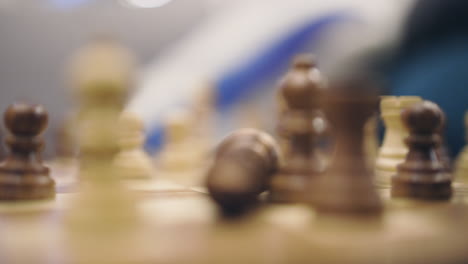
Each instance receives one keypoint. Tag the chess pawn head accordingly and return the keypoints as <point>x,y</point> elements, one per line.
<point>22,174</point>
<point>243,166</point>
<point>101,73</point>
<point>423,119</point>
<point>422,175</point>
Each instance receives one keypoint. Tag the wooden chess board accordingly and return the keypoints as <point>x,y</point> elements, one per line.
<point>182,225</point>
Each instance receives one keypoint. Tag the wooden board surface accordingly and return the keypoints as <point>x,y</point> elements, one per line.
<point>182,225</point>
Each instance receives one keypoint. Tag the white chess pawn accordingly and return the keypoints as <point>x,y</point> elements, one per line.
<point>183,156</point>
<point>102,224</point>
<point>132,161</point>
<point>393,150</point>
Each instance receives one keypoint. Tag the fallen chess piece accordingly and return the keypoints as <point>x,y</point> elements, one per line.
<point>243,166</point>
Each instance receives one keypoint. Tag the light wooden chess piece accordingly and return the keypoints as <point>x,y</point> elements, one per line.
<point>461,165</point>
<point>183,157</point>
<point>393,150</point>
<point>101,223</point>
<point>132,161</point>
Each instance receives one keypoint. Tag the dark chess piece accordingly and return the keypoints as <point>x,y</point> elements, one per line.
<point>347,186</point>
<point>2,147</point>
<point>242,169</point>
<point>422,175</point>
<point>301,125</point>
<point>22,174</point>
<point>442,149</point>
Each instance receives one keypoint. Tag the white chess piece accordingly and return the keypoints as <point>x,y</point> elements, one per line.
<point>184,155</point>
<point>393,150</point>
<point>461,165</point>
<point>101,225</point>
<point>132,161</point>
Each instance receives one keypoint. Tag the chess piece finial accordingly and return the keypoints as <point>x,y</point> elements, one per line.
<point>301,124</point>
<point>22,174</point>
<point>422,175</point>
<point>132,161</point>
<point>243,166</point>
<point>346,187</point>
<point>393,150</point>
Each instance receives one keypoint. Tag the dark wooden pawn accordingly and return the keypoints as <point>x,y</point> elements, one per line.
<point>423,174</point>
<point>22,174</point>
<point>243,166</point>
<point>301,125</point>
<point>347,186</point>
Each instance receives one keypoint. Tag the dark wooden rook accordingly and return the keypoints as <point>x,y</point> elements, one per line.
<point>22,174</point>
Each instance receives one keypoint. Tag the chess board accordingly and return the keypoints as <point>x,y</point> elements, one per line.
<point>181,224</point>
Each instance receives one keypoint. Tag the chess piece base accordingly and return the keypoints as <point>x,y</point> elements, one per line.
<point>31,187</point>
<point>420,190</point>
<point>290,188</point>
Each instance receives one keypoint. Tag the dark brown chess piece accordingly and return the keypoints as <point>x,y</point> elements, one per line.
<point>422,175</point>
<point>22,174</point>
<point>2,147</point>
<point>242,169</point>
<point>442,149</point>
<point>65,146</point>
<point>301,124</point>
<point>347,187</point>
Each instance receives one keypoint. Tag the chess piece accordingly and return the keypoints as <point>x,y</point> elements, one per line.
<point>461,165</point>
<point>103,218</point>
<point>442,149</point>
<point>346,187</point>
<point>393,150</point>
<point>422,175</point>
<point>301,123</point>
<point>243,166</point>
<point>183,156</point>
<point>371,145</point>
<point>66,146</point>
<point>2,147</point>
<point>132,161</point>
<point>22,174</point>
<point>65,165</point>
